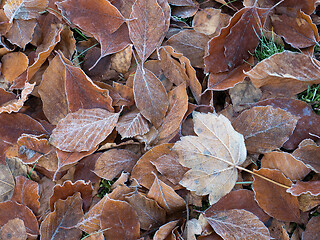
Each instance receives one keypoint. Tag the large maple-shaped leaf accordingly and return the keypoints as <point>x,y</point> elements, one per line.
<point>83,130</point>
<point>213,156</point>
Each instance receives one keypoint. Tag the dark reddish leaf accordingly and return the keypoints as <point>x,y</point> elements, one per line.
<point>312,229</point>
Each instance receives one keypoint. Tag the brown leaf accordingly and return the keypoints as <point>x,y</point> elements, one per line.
<point>13,64</point>
<point>178,105</point>
<point>165,231</point>
<point>83,130</point>
<point>60,223</point>
<point>311,187</point>
<point>24,9</point>
<point>265,128</point>
<point>166,197</point>
<point>239,199</point>
<point>286,73</point>
<point>306,125</point>
<point>121,61</point>
<point>111,163</point>
<point>237,224</point>
<point>45,191</point>
<point>10,210</point>
<point>26,193</point>
<point>241,32</point>
<point>120,219</point>
<point>308,202</point>
<point>150,96</point>
<point>143,170</point>
<point>150,214</point>
<point>191,44</point>
<point>62,192</point>
<point>308,153</point>
<point>267,194</point>
<point>132,124</point>
<point>312,229</point>
<point>7,183</point>
<point>52,91</point>
<point>14,229</point>
<point>192,228</point>
<point>212,156</point>
<point>286,163</point>
<point>148,27</point>
<point>169,167</point>
<point>21,32</point>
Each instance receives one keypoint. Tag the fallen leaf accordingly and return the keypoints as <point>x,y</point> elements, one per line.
<point>60,223</point>
<point>308,202</point>
<point>265,128</point>
<point>150,96</point>
<point>312,229</point>
<point>7,183</point>
<point>237,224</point>
<point>286,163</point>
<point>14,229</point>
<point>311,187</point>
<point>83,130</point>
<point>13,64</point>
<point>119,220</point>
<point>267,194</point>
<point>26,193</point>
<point>148,27</point>
<point>192,228</point>
<point>282,74</point>
<point>213,156</point>
<point>165,231</point>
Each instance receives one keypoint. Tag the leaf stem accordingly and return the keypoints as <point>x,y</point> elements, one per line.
<point>263,177</point>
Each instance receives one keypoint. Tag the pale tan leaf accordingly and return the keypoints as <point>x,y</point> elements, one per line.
<point>132,124</point>
<point>212,155</point>
<point>148,27</point>
<point>238,224</point>
<point>83,130</point>
<point>150,96</point>
<point>7,183</point>
<point>193,227</point>
<point>14,229</point>
<point>165,196</point>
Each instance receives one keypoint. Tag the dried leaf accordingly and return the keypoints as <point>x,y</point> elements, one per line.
<point>13,64</point>
<point>132,124</point>
<point>111,163</point>
<point>7,183</point>
<point>24,9</point>
<point>150,214</point>
<point>212,156</point>
<point>165,231</point>
<point>150,96</point>
<point>21,32</point>
<point>14,229</point>
<point>286,73</point>
<point>286,163</point>
<point>265,128</point>
<point>60,223</point>
<point>237,224</point>
<point>312,229</point>
<point>26,193</point>
<point>68,189</point>
<point>166,197</point>
<point>267,194</point>
<point>148,27</point>
<point>10,210</point>
<point>193,227</point>
<point>83,130</point>
<point>120,220</point>
<point>311,187</point>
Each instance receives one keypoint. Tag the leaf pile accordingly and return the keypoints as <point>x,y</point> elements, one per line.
<point>158,119</point>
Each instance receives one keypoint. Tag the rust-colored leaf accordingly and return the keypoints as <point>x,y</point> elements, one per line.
<point>13,64</point>
<point>265,128</point>
<point>150,96</point>
<point>120,220</point>
<point>24,9</point>
<point>286,163</point>
<point>26,193</point>
<point>148,27</point>
<point>237,224</point>
<point>60,223</point>
<point>150,214</point>
<point>166,231</point>
<point>312,229</point>
<point>111,163</point>
<point>267,194</point>
<point>83,130</point>
<point>286,73</point>
<point>212,156</point>
<point>311,187</point>
<point>10,210</point>
<point>14,229</point>
<point>132,124</point>
<point>165,196</point>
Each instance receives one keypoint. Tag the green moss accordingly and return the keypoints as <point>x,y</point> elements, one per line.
<point>312,96</point>
<point>105,187</point>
